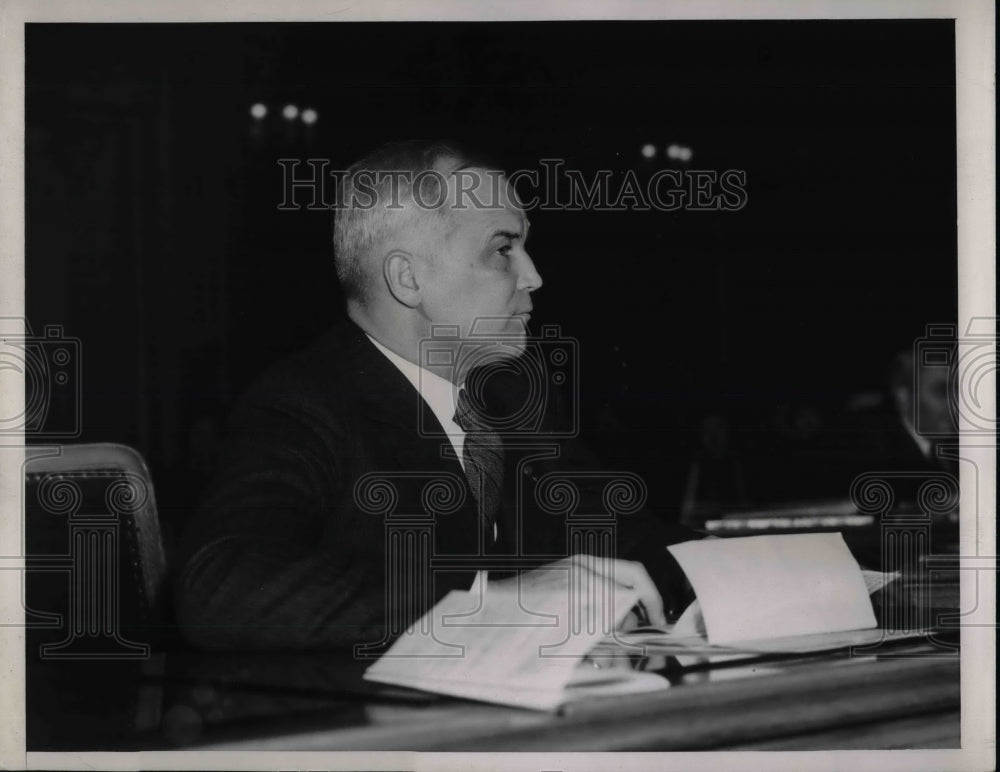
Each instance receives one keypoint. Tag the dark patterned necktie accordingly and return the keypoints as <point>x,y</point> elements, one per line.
<point>483,456</point>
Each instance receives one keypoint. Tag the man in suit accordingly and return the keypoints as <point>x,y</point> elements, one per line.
<point>294,546</point>
<point>922,401</point>
<point>909,437</point>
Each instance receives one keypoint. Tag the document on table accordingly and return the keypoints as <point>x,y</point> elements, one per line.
<point>795,593</point>
<point>765,587</point>
<point>516,642</point>
<point>521,641</point>
<point>671,643</point>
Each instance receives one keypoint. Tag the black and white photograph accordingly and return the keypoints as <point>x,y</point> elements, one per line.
<point>496,384</point>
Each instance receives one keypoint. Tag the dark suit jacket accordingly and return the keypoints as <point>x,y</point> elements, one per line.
<point>876,443</point>
<point>288,549</point>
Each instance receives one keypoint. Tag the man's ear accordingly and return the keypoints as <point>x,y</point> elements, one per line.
<point>400,277</point>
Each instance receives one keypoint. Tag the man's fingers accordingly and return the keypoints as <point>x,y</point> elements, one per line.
<point>649,596</point>
<point>630,622</point>
<point>628,574</point>
<point>608,662</point>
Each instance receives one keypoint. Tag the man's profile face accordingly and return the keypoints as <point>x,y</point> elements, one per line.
<point>933,401</point>
<point>480,273</point>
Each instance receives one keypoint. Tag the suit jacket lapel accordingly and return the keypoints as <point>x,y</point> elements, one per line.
<point>386,397</point>
<point>409,432</point>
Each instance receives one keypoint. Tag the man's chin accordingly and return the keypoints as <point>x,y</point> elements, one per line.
<point>515,336</point>
<point>501,347</point>
<point>501,327</point>
<point>515,347</point>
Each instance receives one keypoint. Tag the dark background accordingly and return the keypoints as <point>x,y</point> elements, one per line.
<point>153,233</point>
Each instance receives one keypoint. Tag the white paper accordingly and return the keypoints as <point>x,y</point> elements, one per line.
<point>676,645</point>
<point>803,644</point>
<point>686,639</point>
<point>512,642</point>
<point>876,580</point>
<point>762,587</point>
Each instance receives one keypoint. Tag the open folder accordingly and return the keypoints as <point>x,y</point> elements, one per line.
<point>523,641</point>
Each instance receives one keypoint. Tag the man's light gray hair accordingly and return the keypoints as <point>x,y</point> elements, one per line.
<point>375,201</point>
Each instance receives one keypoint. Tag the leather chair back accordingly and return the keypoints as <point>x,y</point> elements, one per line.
<point>95,560</point>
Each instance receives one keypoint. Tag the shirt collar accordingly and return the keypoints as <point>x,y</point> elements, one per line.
<point>439,393</point>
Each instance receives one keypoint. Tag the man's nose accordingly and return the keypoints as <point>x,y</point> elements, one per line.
<point>528,278</point>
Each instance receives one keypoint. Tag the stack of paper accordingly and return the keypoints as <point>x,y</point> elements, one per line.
<point>793,593</point>
<point>517,642</point>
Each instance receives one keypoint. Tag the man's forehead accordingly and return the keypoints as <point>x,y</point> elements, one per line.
<point>487,194</point>
<point>478,193</point>
<point>507,218</point>
<point>508,222</point>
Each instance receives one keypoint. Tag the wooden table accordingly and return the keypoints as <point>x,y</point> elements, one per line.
<point>906,697</point>
<point>902,696</point>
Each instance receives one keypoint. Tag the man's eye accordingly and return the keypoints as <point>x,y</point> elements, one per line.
<point>505,250</point>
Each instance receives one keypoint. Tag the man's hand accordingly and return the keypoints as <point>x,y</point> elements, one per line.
<point>584,571</point>
<point>633,575</point>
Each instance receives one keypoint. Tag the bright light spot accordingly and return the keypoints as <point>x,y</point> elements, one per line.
<point>309,116</point>
<point>259,110</point>
<point>291,112</point>
<point>648,151</point>
<point>679,152</point>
